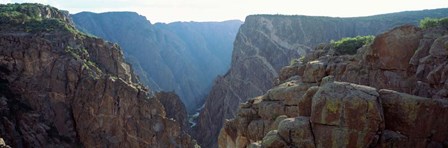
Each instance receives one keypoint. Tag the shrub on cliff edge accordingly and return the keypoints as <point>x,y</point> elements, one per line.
<point>350,45</point>
<point>434,22</point>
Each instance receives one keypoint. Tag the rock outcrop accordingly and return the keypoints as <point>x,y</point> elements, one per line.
<point>392,96</point>
<point>184,57</point>
<point>3,144</point>
<point>174,108</point>
<point>265,43</point>
<point>62,88</point>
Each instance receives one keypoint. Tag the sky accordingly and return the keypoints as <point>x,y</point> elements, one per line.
<point>219,10</point>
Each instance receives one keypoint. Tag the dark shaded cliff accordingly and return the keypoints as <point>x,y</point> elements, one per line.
<point>392,93</point>
<point>174,108</point>
<point>183,57</point>
<point>265,43</point>
<point>62,88</point>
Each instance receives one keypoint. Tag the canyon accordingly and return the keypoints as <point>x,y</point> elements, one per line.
<point>184,57</point>
<point>286,85</point>
<point>266,43</point>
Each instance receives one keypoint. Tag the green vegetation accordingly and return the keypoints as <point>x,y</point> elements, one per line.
<point>76,53</point>
<point>91,68</point>
<point>302,59</point>
<point>82,55</point>
<point>20,13</point>
<point>434,22</point>
<point>351,45</point>
<point>34,18</point>
<point>293,62</point>
<point>93,65</point>
<point>43,25</point>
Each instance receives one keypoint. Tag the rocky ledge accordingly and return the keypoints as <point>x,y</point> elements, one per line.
<point>392,93</point>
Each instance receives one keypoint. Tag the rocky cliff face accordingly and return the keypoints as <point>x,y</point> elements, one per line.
<point>174,108</point>
<point>392,93</point>
<point>61,88</point>
<point>183,57</point>
<point>266,43</point>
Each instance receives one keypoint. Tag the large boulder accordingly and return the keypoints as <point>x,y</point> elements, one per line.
<point>304,106</point>
<point>287,72</point>
<point>257,129</point>
<point>331,136</point>
<point>230,138</point>
<point>395,139</point>
<point>415,117</point>
<point>269,110</point>
<point>422,51</point>
<point>277,121</point>
<point>291,92</point>
<point>314,71</point>
<point>338,103</point>
<point>440,47</point>
<point>273,140</point>
<point>394,49</point>
<point>346,111</point>
<point>297,131</point>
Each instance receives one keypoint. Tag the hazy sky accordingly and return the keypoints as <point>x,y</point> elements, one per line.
<point>214,10</point>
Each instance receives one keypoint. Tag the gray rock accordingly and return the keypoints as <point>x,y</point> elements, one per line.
<point>297,131</point>
<point>273,140</point>
<point>314,72</point>
<point>440,47</point>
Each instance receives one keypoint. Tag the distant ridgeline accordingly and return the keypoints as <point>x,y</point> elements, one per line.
<point>265,43</point>
<point>184,57</point>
